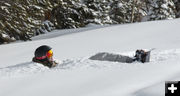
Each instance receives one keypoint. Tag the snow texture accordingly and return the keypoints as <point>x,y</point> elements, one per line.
<point>77,75</point>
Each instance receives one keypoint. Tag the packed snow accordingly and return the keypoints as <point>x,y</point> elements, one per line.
<point>76,75</point>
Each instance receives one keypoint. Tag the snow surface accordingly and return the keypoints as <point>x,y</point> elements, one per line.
<point>76,75</point>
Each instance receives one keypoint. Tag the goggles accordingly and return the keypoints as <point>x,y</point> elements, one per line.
<point>49,54</point>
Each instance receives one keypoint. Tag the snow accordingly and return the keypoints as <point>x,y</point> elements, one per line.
<point>120,5</point>
<point>77,75</point>
<point>5,8</point>
<point>164,6</point>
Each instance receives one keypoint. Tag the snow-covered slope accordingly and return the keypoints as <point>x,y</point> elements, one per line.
<point>79,76</point>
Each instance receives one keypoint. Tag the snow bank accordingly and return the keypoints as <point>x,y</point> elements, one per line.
<point>79,76</point>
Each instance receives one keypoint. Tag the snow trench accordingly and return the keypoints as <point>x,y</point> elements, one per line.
<point>30,67</point>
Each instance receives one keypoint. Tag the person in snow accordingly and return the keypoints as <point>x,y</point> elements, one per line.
<point>140,56</point>
<point>44,55</point>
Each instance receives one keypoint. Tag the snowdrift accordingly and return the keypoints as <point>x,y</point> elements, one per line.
<point>77,75</point>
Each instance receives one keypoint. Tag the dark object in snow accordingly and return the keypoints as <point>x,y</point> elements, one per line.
<point>44,55</point>
<point>141,56</point>
<point>104,56</point>
<point>42,50</point>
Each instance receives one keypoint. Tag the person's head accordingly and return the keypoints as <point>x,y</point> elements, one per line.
<point>43,52</point>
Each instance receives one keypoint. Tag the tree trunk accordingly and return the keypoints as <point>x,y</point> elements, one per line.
<point>133,10</point>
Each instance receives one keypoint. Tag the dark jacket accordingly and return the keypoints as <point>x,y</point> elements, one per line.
<point>45,62</point>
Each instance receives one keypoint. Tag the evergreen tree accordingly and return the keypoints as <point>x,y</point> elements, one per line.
<point>100,11</point>
<point>126,11</point>
<point>67,15</point>
<point>22,19</point>
<point>160,9</point>
<point>177,5</point>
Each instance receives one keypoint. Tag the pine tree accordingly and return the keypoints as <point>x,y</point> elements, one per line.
<point>126,11</point>
<point>160,9</point>
<point>177,5</point>
<point>67,15</point>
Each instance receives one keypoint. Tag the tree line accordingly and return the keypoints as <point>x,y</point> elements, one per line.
<point>23,19</point>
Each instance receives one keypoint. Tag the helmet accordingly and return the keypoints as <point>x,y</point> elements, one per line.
<point>42,51</point>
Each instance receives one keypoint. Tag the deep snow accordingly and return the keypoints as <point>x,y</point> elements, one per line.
<point>79,76</point>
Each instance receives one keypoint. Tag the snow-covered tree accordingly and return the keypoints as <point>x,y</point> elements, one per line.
<point>100,11</point>
<point>126,11</point>
<point>22,19</point>
<point>160,9</point>
<point>67,15</point>
<point>177,5</point>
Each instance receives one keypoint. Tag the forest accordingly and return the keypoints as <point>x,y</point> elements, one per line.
<point>23,19</point>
